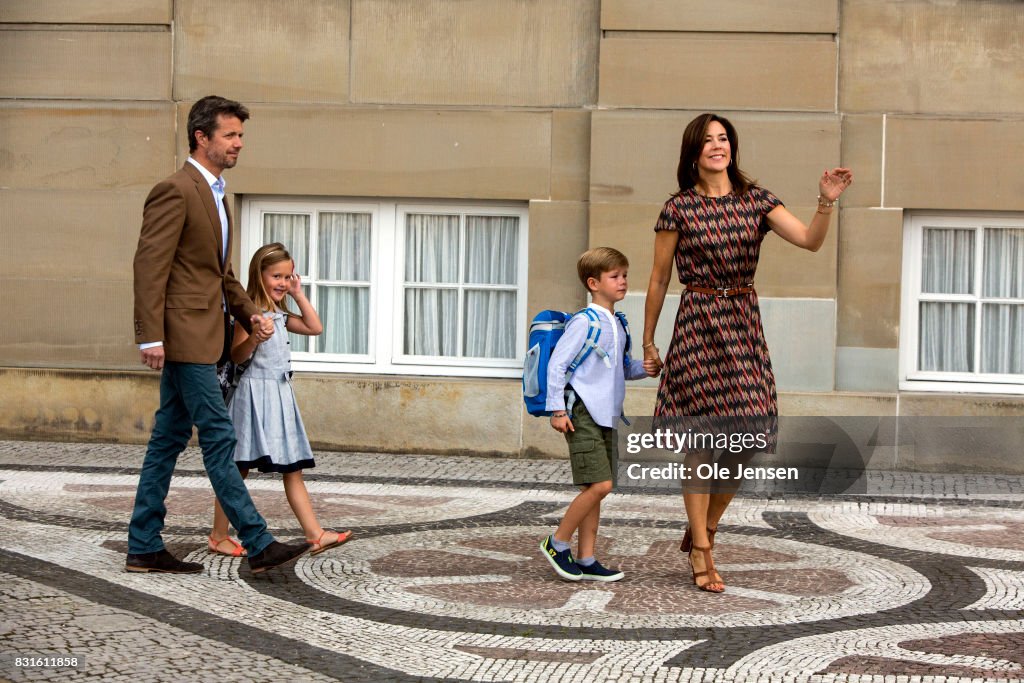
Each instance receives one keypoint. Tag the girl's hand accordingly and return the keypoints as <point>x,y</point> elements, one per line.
<point>262,328</point>
<point>834,182</point>
<point>295,286</point>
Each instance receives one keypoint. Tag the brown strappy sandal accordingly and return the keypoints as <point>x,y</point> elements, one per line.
<point>687,543</point>
<point>709,569</point>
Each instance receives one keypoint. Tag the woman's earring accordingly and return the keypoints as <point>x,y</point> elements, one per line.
<point>695,166</point>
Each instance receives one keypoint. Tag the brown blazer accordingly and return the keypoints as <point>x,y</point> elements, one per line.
<point>179,279</point>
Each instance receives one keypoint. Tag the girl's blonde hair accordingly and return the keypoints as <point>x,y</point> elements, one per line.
<point>266,256</point>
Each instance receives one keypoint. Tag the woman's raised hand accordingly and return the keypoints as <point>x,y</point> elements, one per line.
<point>834,182</point>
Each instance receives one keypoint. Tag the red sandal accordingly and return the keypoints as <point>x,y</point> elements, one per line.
<point>317,547</point>
<point>236,551</point>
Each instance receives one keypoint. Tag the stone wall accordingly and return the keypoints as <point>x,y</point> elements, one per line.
<point>573,107</point>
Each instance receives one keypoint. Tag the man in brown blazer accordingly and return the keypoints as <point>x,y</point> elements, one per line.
<point>184,287</point>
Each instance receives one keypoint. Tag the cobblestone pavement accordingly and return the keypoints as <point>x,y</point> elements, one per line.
<point>444,581</point>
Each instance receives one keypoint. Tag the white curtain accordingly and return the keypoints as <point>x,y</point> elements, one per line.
<point>343,255</point>
<point>1002,335</point>
<point>1002,325</point>
<point>492,258</point>
<point>490,253</point>
<point>431,256</point>
<point>431,327</point>
<point>947,336</point>
<point>345,313</point>
<point>343,247</point>
<point>490,324</point>
<point>492,250</point>
<point>1004,263</point>
<point>432,248</point>
<point>947,329</point>
<point>291,230</point>
<point>947,261</point>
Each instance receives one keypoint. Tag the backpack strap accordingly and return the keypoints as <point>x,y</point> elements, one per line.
<point>589,344</point>
<point>629,340</point>
<point>626,361</point>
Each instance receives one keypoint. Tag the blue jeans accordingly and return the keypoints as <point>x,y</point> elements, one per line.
<point>190,395</point>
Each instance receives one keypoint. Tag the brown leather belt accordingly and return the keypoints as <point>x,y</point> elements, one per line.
<point>721,291</point>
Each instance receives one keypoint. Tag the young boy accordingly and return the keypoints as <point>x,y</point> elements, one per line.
<point>599,388</point>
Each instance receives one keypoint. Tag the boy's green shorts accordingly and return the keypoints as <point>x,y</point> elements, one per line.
<point>593,449</point>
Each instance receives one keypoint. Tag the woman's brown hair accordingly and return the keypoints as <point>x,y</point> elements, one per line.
<point>693,143</point>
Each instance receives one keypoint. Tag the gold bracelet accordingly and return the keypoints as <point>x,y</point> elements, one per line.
<point>823,213</point>
<point>826,203</point>
<point>644,346</point>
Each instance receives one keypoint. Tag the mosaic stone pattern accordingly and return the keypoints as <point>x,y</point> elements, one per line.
<point>443,581</point>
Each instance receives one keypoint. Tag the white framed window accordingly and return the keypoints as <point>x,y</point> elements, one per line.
<point>403,287</point>
<point>962,318</point>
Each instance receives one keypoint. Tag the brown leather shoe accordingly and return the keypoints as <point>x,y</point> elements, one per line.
<point>276,554</point>
<point>162,562</point>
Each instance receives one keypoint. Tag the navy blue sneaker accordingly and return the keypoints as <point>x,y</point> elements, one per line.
<point>596,572</point>
<point>561,562</point>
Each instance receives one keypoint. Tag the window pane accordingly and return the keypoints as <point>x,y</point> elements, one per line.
<point>343,249</point>
<point>299,342</point>
<point>947,261</point>
<point>947,337</point>
<point>1002,339</point>
<point>490,324</point>
<point>345,313</point>
<point>1004,263</point>
<point>431,325</point>
<point>291,230</point>
<point>492,250</point>
<point>431,248</point>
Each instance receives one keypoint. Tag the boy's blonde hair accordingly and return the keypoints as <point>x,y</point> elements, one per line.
<point>593,263</point>
<point>266,256</point>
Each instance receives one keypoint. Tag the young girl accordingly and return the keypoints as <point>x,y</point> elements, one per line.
<point>270,433</point>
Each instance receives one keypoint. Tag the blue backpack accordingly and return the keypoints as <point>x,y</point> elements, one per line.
<point>546,329</point>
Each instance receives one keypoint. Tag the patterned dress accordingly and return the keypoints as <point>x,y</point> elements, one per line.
<point>718,362</point>
<point>271,436</point>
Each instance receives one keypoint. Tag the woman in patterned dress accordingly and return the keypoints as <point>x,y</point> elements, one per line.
<point>717,363</point>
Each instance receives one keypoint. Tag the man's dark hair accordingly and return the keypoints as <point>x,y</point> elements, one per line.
<point>204,113</point>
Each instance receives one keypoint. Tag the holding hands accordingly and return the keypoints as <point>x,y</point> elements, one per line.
<point>262,328</point>
<point>652,361</point>
<point>833,183</point>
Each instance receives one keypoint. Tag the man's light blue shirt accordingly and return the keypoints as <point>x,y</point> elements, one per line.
<point>599,382</point>
<point>217,186</point>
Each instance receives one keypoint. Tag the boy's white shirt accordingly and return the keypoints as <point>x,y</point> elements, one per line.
<point>600,384</point>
